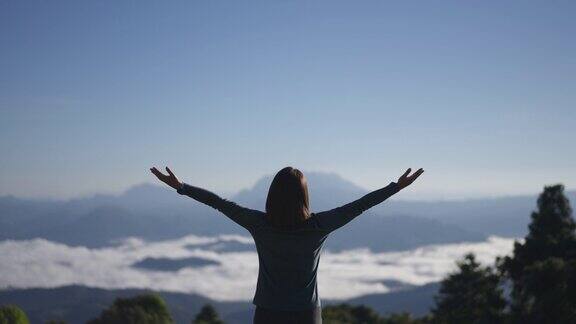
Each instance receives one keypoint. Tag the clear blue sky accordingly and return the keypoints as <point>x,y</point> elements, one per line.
<point>480,94</point>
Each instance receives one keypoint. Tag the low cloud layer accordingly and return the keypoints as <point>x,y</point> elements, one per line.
<point>348,274</point>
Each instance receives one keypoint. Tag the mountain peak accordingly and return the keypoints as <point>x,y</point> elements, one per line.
<point>324,188</point>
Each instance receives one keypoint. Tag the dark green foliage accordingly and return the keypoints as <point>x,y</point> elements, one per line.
<point>348,314</point>
<point>404,318</point>
<point>141,309</point>
<point>543,268</point>
<point>345,313</point>
<point>471,295</point>
<point>12,314</point>
<point>207,315</point>
<point>56,322</point>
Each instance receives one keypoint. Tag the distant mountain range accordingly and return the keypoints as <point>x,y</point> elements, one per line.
<point>507,216</point>
<point>156,212</point>
<point>77,304</point>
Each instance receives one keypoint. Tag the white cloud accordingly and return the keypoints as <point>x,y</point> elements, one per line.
<point>347,274</point>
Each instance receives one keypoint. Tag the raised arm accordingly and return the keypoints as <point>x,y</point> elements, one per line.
<point>333,219</point>
<point>245,217</point>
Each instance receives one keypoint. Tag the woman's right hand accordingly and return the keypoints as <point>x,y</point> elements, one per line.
<point>405,180</point>
<point>169,179</point>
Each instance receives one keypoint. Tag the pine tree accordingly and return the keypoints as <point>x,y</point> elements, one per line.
<point>207,315</point>
<point>543,268</point>
<point>470,295</point>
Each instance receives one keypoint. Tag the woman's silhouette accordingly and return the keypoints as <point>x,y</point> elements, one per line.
<point>289,239</point>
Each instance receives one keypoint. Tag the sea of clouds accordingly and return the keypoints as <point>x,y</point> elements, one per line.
<point>347,274</point>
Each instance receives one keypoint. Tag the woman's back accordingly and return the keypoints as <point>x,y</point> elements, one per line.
<point>288,266</point>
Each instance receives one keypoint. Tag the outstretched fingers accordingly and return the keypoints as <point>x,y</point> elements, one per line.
<point>416,174</point>
<point>406,173</point>
<point>157,172</point>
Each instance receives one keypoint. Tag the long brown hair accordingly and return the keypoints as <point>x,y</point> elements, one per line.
<point>287,204</point>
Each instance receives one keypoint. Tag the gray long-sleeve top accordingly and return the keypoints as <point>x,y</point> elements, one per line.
<point>288,259</point>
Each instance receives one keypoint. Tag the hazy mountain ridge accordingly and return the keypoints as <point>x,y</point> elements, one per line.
<point>77,304</point>
<point>154,212</point>
<point>503,216</point>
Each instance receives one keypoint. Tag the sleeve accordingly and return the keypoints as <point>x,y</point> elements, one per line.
<point>333,219</point>
<point>245,217</point>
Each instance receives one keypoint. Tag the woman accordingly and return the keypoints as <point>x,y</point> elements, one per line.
<point>289,239</point>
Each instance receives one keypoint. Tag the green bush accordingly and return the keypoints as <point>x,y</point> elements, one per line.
<point>12,314</point>
<point>142,309</point>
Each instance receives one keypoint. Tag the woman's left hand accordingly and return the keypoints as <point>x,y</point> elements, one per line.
<point>405,180</point>
<point>169,179</point>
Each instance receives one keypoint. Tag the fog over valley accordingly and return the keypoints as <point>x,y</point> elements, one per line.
<point>202,265</point>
